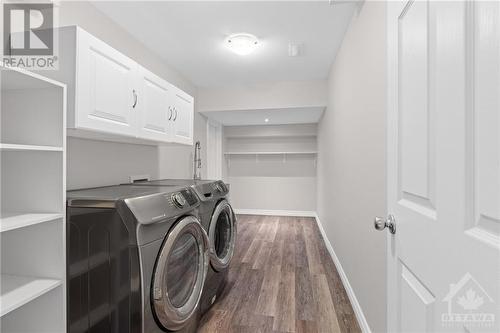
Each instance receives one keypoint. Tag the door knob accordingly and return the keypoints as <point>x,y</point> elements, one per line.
<point>389,223</point>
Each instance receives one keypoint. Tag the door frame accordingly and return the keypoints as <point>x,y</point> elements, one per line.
<point>391,156</point>
<point>214,163</point>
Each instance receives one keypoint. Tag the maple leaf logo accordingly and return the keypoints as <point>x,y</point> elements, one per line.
<point>470,301</point>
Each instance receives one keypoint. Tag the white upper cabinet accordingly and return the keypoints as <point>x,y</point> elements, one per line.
<point>106,96</point>
<point>112,97</point>
<point>182,119</point>
<point>154,107</point>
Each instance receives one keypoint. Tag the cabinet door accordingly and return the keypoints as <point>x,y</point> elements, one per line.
<point>182,120</point>
<point>106,97</point>
<point>154,107</point>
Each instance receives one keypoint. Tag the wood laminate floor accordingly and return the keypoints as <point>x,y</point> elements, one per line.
<point>281,279</point>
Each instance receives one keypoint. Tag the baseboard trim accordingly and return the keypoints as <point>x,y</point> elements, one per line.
<point>300,213</point>
<point>350,292</point>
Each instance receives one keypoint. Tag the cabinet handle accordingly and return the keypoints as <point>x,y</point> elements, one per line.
<point>175,118</point>
<point>135,99</point>
<point>170,113</point>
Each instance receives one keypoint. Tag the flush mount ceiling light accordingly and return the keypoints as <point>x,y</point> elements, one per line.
<point>266,120</point>
<point>242,43</point>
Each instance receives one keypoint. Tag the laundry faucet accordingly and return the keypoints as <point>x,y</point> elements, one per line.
<point>197,161</point>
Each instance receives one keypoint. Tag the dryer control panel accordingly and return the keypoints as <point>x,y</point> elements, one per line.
<point>210,190</point>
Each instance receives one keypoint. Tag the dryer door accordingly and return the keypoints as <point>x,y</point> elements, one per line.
<point>179,274</point>
<point>222,235</point>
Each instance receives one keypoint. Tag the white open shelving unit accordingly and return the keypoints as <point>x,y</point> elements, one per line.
<point>32,209</point>
<point>253,145</point>
<point>270,152</point>
<point>271,167</point>
<point>284,154</point>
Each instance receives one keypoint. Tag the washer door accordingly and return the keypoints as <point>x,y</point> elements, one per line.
<point>222,235</point>
<point>179,274</point>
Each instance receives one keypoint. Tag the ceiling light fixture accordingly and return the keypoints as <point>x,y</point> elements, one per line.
<point>266,120</point>
<point>242,43</point>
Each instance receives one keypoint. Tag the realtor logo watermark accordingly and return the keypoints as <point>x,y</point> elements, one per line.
<point>29,36</point>
<point>468,305</point>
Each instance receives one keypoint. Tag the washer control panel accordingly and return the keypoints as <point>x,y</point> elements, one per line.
<point>160,206</point>
<point>178,199</point>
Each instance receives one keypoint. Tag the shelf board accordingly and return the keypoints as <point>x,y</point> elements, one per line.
<point>16,78</point>
<point>18,290</point>
<point>10,221</point>
<point>269,152</point>
<point>271,136</point>
<point>17,147</point>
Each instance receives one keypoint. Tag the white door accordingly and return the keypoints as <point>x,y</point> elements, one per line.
<point>444,166</point>
<point>183,117</point>
<point>153,107</point>
<point>214,150</point>
<point>106,97</point>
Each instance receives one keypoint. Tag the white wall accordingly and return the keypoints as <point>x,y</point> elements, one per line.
<point>97,163</point>
<point>94,163</point>
<point>271,95</point>
<point>352,160</point>
<point>271,182</point>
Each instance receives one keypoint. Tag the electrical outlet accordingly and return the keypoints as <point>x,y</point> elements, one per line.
<point>138,178</point>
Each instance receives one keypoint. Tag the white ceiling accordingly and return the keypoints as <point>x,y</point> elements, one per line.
<point>306,115</point>
<point>189,36</point>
